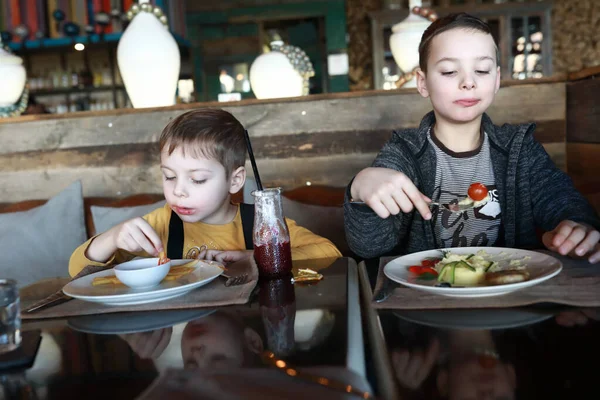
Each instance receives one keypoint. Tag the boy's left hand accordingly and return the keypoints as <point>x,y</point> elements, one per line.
<point>225,256</point>
<point>574,238</point>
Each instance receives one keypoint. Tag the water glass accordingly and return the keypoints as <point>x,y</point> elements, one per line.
<point>10,316</point>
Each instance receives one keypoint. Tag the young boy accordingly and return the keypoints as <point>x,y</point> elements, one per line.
<point>202,155</point>
<point>455,146</point>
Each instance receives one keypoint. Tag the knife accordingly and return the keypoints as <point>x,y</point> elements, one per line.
<point>59,297</point>
<point>386,290</point>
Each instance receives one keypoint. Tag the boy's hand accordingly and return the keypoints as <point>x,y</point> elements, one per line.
<point>388,192</point>
<point>137,235</point>
<point>225,257</point>
<point>413,367</point>
<point>574,238</point>
<point>149,344</point>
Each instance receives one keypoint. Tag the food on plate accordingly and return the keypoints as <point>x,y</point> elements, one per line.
<point>174,273</point>
<point>506,277</point>
<point>468,270</point>
<point>463,269</point>
<point>477,195</point>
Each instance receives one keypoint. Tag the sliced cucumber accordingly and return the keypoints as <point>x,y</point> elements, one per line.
<point>462,264</point>
<point>491,267</point>
<point>470,255</point>
<point>445,269</point>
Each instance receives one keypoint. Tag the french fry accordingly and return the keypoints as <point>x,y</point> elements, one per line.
<point>106,280</point>
<point>162,258</point>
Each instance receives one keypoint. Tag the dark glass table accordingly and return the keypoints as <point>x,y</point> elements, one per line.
<point>537,352</point>
<point>119,355</point>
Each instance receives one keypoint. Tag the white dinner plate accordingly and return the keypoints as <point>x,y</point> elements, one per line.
<point>124,323</point>
<point>474,319</point>
<point>540,266</point>
<point>122,295</point>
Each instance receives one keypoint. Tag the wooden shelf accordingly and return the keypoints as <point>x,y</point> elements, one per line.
<point>60,91</point>
<point>88,39</point>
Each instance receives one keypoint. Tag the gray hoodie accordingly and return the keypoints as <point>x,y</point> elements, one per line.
<point>534,193</point>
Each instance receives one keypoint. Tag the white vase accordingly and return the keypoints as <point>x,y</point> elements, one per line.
<point>12,78</point>
<point>273,76</point>
<point>149,62</point>
<point>405,39</point>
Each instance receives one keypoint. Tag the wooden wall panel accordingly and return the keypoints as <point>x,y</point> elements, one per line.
<point>322,139</point>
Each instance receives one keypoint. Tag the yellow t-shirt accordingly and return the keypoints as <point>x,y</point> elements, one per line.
<point>305,244</point>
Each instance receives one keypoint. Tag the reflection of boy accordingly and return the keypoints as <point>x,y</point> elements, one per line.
<point>202,156</point>
<point>219,341</point>
<point>468,368</point>
<point>457,145</point>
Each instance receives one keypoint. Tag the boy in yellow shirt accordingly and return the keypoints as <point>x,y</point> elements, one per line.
<point>202,155</point>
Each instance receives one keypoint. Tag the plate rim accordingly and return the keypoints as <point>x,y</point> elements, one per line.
<point>479,290</point>
<point>201,312</point>
<point>152,292</point>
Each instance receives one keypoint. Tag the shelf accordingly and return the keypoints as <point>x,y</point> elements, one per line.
<point>88,39</point>
<point>60,91</point>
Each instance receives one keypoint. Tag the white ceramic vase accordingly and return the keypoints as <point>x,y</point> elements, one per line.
<point>273,76</point>
<point>149,62</point>
<point>405,39</point>
<point>12,78</point>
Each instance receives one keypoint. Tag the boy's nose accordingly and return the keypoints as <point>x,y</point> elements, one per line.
<point>179,191</point>
<point>468,84</point>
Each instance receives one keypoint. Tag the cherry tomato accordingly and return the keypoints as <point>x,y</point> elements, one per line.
<point>429,262</point>
<point>477,191</point>
<point>415,269</point>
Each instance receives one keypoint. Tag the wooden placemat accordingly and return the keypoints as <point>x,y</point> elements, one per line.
<point>578,284</point>
<point>214,294</point>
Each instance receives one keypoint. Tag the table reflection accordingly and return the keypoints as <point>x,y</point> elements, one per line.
<point>493,354</point>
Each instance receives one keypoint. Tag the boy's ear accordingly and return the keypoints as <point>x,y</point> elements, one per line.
<point>238,178</point>
<point>497,80</point>
<point>422,83</point>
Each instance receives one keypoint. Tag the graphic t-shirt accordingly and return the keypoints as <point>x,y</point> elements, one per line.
<point>479,226</point>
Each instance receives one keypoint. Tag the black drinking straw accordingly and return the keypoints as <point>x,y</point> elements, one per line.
<point>253,161</point>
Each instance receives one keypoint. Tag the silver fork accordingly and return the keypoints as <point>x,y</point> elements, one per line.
<point>235,280</point>
<point>458,207</point>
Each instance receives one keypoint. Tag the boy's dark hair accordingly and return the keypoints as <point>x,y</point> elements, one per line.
<point>449,22</point>
<point>208,133</point>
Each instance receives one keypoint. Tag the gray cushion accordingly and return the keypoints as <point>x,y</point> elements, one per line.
<point>107,217</point>
<point>37,244</point>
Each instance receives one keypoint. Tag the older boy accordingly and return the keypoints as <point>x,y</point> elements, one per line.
<point>455,146</point>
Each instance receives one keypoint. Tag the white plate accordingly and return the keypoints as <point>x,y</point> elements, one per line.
<point>123,323</point>
<point>540,266</point>
<point>473,319</point>
<point>122,295</point>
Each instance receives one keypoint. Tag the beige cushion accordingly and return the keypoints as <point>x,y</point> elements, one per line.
<point>107,217</point>
<point>37,244</point>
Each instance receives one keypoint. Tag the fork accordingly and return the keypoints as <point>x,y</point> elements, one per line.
<point>460,207</point>
<point>235,280</point>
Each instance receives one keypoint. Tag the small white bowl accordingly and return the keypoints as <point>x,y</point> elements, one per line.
<point>143,273</point>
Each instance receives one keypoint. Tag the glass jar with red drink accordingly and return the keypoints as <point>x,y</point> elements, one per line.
<point>271,236</point>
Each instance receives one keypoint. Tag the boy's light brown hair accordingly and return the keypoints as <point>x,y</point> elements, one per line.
<point>209,133</point>
<point>449,22</point>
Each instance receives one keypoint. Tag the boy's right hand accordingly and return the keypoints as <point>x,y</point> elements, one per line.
<point>388,192</point>
<point>137,235</point>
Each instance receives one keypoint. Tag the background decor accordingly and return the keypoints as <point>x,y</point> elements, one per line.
<point>283,72</point>
<point>13,93</point>
<point>149,58</point>
<point>405,40</point>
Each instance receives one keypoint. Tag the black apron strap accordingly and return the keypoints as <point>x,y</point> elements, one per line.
<point>175,244</point>
<point>247,214</point>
